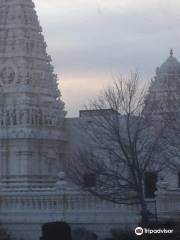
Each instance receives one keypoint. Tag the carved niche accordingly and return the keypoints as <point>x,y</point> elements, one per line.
<point>7,75</point>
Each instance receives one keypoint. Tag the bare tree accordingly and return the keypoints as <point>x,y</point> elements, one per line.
<point>122,142</point>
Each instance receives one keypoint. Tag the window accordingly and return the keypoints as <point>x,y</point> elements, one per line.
<point>150,180</point>
<point>89,180</point>
<point>179,179</point>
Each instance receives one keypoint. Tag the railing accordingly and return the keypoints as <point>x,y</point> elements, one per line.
<point>70,202</point>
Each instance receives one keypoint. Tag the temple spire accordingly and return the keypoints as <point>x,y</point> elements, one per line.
<point>31,110</point>
<point>26,69</point>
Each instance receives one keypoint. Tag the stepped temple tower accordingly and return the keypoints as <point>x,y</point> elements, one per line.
<point>31,112</point>
<point>164,91</point>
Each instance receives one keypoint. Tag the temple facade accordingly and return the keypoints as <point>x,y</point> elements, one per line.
<point>36,138</point>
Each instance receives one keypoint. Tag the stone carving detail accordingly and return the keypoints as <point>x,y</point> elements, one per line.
<point>7,75</point>
<point>29,117</point>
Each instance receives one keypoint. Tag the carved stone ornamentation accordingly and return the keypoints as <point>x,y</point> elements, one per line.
<point>7,75</point>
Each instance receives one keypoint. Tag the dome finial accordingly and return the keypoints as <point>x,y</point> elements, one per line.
<point>171,52</point>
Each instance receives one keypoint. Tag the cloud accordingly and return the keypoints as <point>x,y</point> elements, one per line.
<point>97,37</point>
<point>81,88</point>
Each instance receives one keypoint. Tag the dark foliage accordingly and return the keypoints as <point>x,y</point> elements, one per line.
<point>168,224</point>
<point>83,234</point>
<point>56,231</point>
<point>123,235</point>
<point>4,235</point>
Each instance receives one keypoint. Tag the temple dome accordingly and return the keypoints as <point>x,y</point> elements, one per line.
<point>170,66</point>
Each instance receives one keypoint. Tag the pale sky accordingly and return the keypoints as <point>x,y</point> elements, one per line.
<point>91,40</point>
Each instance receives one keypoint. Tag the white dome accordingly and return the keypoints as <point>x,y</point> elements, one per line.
<point>170,66</point>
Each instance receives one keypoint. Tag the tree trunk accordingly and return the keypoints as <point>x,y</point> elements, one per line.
<point>144,214</point>
<point>144,210</point>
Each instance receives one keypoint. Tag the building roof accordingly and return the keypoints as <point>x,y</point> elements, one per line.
<point>170,66</point>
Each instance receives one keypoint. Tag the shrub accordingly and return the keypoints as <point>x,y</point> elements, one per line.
<point>83,234</point>
<point>56,231</point>
<point>119,234</point>
<point>4,235</point>
<point>169,223</point>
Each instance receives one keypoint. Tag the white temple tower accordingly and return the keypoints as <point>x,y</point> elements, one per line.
<point>31,112</point>
<point>164,91</point>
